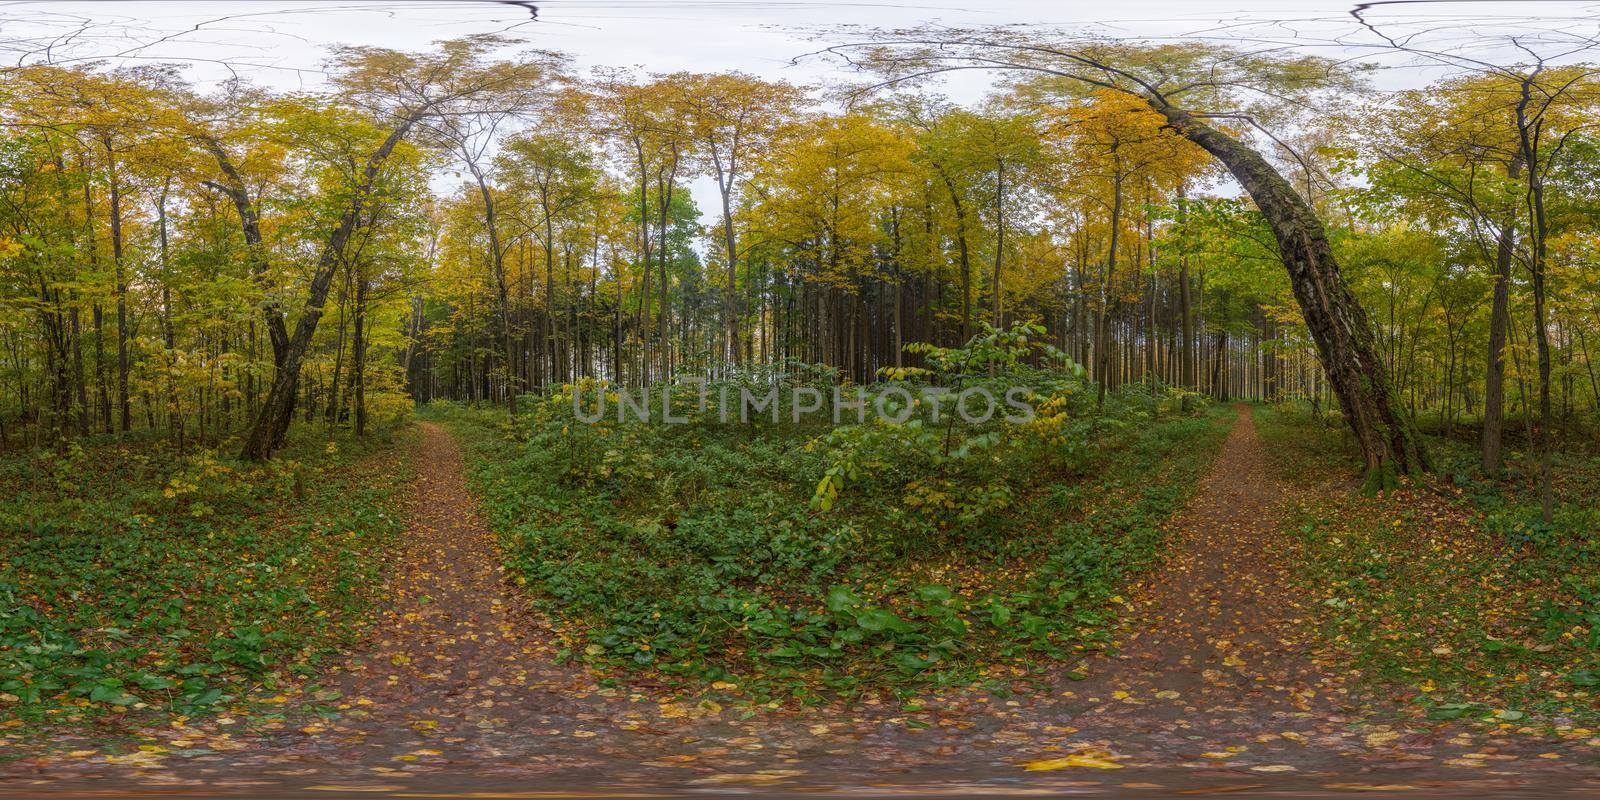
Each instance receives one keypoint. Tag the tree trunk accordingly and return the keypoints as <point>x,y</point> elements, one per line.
<point>124,414</point>
<point>1186,369</point>
<point>358,354</point>
<point>730,243</point>
<point>273,419</point>
<point>497,261</point>
<point>999,240</point>
<point>1102,334</point>
<point>1494,379</point>
<point>1336,321</point>
<point>1528,139</point>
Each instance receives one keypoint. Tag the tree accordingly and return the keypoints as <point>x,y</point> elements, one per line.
<point>1190,85</point>
<point>469,125</point>
<point>1115,140</point>
<point>404,90</point>
<point>734,119</point>
<point>552,180</point>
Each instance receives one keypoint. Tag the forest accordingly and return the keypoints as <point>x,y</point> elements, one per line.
<point>1261,302</point>
<point>452,225</point>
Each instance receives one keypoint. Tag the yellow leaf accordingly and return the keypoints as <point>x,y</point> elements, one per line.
<point>1067,762</point>
<point>1370,787</point>
<point>376,787</point>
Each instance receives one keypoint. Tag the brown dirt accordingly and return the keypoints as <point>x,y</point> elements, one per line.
<point>1209,690</point>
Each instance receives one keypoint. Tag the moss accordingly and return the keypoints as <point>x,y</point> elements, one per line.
<point>1380,479</point>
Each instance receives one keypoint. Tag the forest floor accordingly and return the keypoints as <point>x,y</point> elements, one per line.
<point>1209,690</point>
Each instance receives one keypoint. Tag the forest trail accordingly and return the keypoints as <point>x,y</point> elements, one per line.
<point>1216,631</point>
<point>1212,684</point>
<point>457,691</point>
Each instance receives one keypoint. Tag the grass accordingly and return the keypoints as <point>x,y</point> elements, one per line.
<point>1453,594</point>
<point>721,554</point>
<point>136,583</point>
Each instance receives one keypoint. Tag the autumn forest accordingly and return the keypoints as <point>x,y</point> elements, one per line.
<point>291,385</point>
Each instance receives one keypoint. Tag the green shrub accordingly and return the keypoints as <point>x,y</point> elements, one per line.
<point>803,559</point>
<point>131,577</point>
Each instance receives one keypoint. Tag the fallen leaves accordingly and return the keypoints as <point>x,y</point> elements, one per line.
<point>1371,787</point>
<point>365,787</point>
<point>483,662</point>
<point>1075,761</point>
<point>766,776</point>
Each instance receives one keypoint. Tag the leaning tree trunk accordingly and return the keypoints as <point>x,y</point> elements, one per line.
<point>272,420</point>
<point>1337,322</point>
<point>256,253</point>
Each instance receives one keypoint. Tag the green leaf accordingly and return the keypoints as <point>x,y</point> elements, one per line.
<point>205,697</point>
<point>1584,677</point>
<point>840,598</point>
<point>1446,711</point>
<point>111,695</point>
<point>879,619</point>
<point>149,681</point>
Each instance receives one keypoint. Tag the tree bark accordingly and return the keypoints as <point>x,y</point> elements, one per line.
<point>124,415</point>
<point>1186,370</point>
<point>1337,322</point>
<point>999,240</point>
<point>1102,334</point>
<point>1494,379</point>
<point>277,411</point>
<point>498,262</point>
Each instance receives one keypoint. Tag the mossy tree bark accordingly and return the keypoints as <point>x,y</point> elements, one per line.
<point>1337,322</point>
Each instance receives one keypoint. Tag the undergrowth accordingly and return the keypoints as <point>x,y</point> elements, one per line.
<point>138,582</point>
<point>806,560</point>
<point>1453,592</point>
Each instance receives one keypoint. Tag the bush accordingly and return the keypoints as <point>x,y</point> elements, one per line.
<point>804,559</point>
<point>131,577</point>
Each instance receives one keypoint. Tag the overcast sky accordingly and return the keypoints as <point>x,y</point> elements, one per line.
<point>282,44</point>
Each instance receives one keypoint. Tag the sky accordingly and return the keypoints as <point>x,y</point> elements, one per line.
<point>282,44</point>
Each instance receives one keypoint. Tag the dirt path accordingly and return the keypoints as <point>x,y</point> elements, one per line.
<point>1213,643</point>
<point>458,691</point>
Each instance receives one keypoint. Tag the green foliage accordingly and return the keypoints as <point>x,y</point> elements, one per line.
<point>1461,593</point>
<point>134,578</point>
<point>803,561</point>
